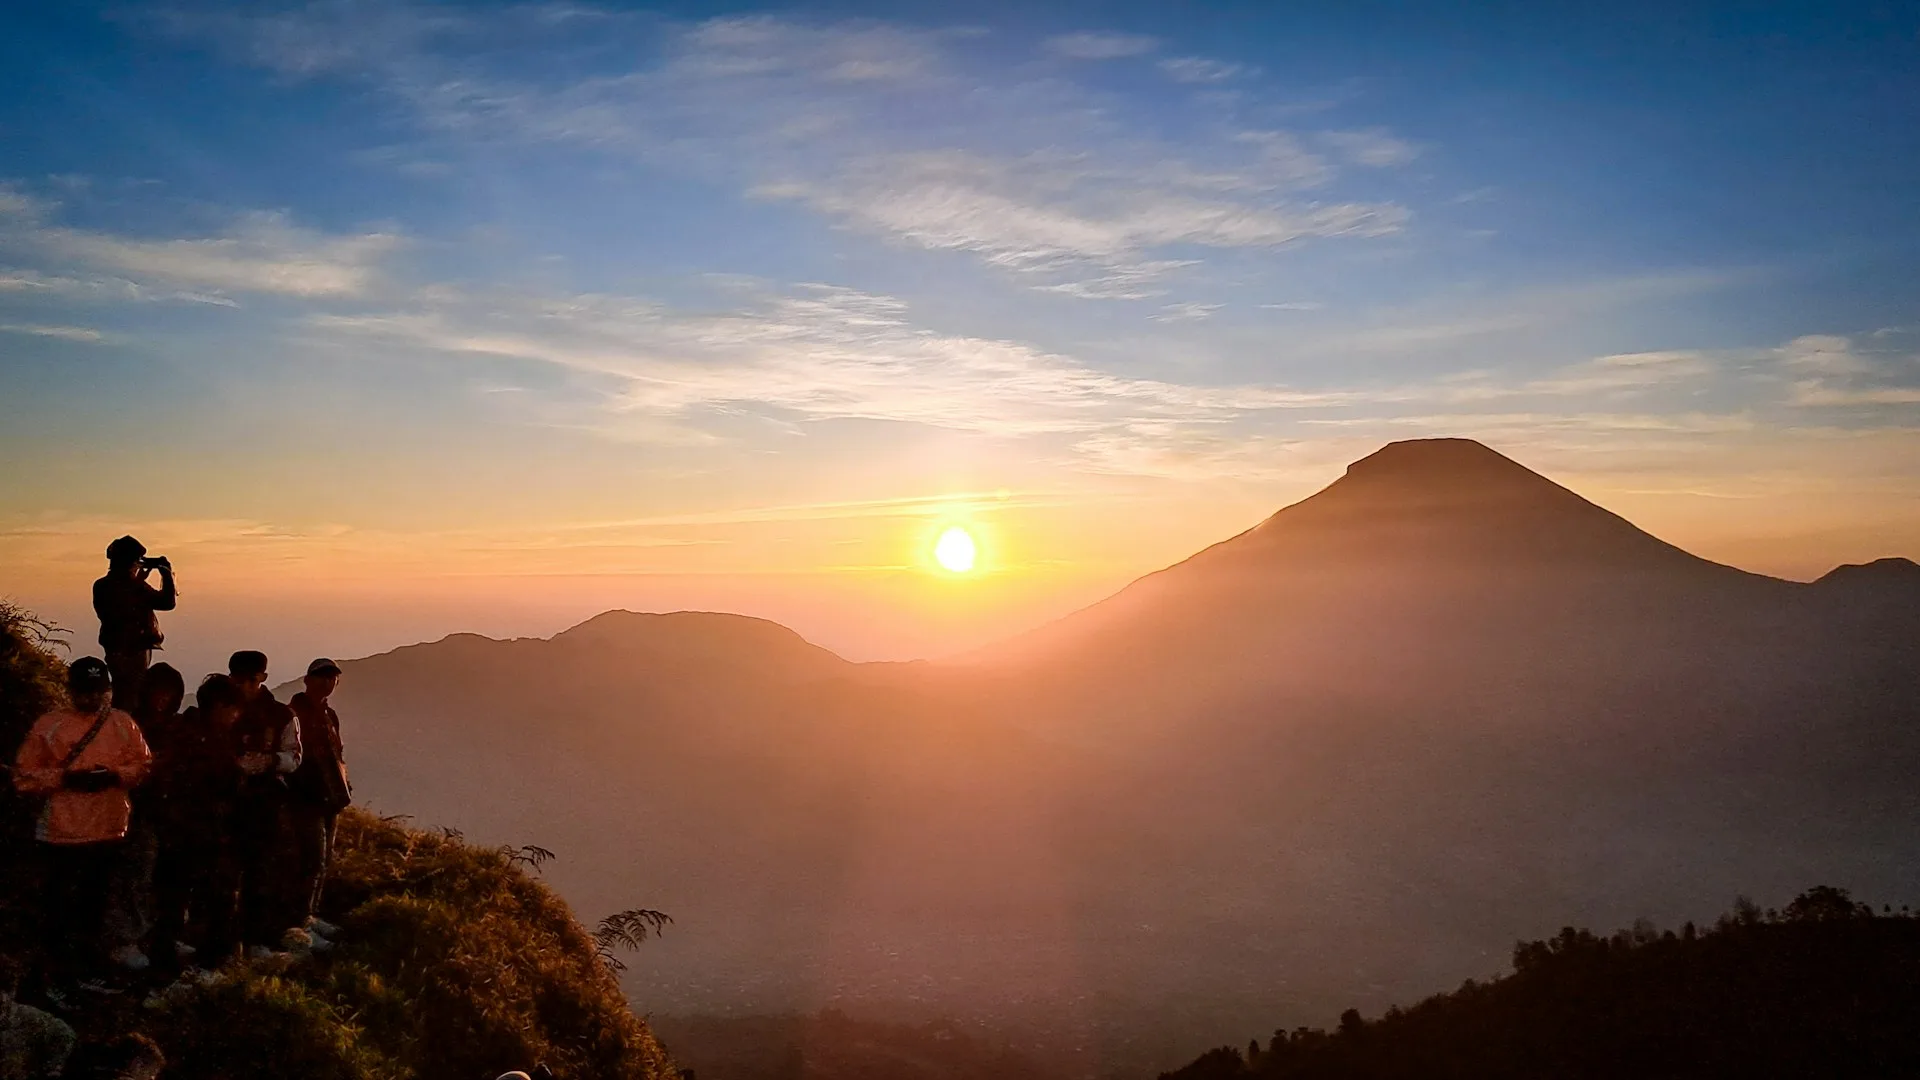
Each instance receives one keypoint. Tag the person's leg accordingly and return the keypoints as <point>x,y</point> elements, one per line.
<point>327,821</point>
<point>262,886</point>
<point>130,913</point>
<point>173,891</point>
<point>309,828</point>
<point>216,905</point>
<point>129,669</point>
<point>97,864</point>
<point>58,932</point>
<point>79,877</point>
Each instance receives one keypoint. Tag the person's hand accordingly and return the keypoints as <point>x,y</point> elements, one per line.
<point>91,779</point>
<point>254,761</point>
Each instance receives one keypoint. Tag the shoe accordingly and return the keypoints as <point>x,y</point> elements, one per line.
<point>259,953</point>
<point>58,998</point>
<point>98,986</point>
<point>304,942</point>
<point>129,957</point>
<point>322,927</point>
<point>184,951</point>
<point>202,977</point>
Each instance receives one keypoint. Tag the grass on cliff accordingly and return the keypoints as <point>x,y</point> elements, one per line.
<point>455,961</point>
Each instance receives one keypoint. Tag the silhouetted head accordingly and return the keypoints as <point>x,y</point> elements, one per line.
<point>125,554</point>
<point>89,681</point>
<point>248,667</point>
<point>220,700</point>
<point>323,675</point>
<point>162,691</point>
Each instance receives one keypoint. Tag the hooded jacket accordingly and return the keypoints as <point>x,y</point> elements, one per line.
<point>81,817</point>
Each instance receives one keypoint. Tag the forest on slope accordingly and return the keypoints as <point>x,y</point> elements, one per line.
<point>1823,987</point>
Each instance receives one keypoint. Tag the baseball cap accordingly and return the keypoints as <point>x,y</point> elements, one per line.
<point>87,675</point>
<point>323,666</point>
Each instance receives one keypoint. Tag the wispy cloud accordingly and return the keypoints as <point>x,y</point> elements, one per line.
<point>1188,312</point>
<point>65,333</point>
<point>258,253</point>
<point>901,132</point>
<point>1060,217</point>
<point>1831,371</point>
<point>1092,45</point>
<point>818,354</point>
<point>1376,149</point>
<point>1199,69</point>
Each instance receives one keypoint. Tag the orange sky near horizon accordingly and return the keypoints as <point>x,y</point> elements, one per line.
<point>858,576</point>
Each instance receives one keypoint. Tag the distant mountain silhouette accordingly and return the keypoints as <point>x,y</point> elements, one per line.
<point>1342,757</point>
<point>1895,576</point>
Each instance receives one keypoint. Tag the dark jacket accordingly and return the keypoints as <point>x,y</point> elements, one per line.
<point>267,726</point>
<point>126,606</point>
<point>321,778</point>
<point>195,777</point>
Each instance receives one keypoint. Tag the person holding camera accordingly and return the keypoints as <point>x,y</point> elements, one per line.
<point>81,761</point>
<point>125,603</point>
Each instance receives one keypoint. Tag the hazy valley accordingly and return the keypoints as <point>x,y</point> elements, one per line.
<point>1345,758</point>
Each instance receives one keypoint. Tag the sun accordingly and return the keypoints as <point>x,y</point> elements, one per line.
<point>955,550</point>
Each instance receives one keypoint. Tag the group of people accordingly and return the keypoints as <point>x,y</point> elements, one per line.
<point>178,838</point>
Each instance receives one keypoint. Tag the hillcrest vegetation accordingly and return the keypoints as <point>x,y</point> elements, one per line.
<point>456,961</point>
<point>1824,987</point>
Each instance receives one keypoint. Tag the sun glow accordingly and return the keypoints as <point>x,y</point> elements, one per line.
<point>955,550</point>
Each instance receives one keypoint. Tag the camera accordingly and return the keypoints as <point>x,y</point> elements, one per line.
<point>157,562</point>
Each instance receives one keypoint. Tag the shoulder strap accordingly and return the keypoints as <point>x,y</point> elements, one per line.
<point>86,740</point>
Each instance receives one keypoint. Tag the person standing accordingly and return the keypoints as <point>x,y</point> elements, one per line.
<point>130,914</point>
<point>318,792</point>
<point>82,760</point>
<point>195,773</point>
<point>125,604</point>
<point>268,735</point>
<point>196,779</point>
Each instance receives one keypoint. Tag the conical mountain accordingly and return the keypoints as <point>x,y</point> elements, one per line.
<point>1430,561</point>
<point>1438,504</point>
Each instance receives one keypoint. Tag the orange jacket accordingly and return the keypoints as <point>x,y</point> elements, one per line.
<point>81,817</point>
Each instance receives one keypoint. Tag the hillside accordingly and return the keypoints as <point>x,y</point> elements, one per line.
<point>1825,987</point>
<point>454,961</point>
<point>1342,757</point>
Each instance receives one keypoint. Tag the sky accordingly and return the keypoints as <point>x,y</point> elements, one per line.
<point>389,320</point>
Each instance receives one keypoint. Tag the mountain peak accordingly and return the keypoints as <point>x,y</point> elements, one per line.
<point>687,636</point>
<point>1442,469</point>
<point>1419,501</point>
<point>1450,461</point>
<point>1891,572</point>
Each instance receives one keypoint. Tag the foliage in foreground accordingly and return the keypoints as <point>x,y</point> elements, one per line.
<point>454,963</point>
<point>1823,988</point>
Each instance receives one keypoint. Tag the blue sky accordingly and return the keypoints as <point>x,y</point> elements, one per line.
<point>757,295</point>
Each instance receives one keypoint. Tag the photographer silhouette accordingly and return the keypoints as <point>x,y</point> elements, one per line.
<point>125,603</point>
